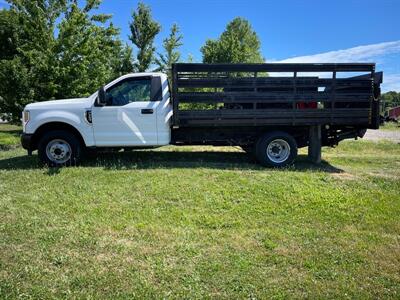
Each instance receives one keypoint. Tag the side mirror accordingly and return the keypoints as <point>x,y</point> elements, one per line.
<point>101,97</point>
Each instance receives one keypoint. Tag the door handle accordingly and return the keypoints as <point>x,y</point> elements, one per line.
<point>147,111</point>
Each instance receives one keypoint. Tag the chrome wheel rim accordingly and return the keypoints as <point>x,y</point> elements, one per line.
<point>278,151</point>
<point>58,151</point>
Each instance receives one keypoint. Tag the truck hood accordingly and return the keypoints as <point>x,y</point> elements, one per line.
<point>60,104</point>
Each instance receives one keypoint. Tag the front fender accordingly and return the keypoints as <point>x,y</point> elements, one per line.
<point>70,118</point>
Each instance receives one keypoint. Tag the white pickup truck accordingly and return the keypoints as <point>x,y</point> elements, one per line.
<point>269,117</point>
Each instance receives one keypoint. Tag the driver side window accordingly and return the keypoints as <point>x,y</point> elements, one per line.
<point>129,90</point>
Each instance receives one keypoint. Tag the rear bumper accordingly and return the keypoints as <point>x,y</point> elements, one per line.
<point>27,141</point>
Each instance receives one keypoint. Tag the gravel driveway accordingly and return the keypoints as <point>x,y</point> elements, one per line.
<point>376,135</point>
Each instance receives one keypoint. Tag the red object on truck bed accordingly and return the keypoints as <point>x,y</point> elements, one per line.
<point>394,113</point>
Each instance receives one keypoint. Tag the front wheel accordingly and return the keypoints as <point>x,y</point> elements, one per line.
<point>276,149</point>
<point>59,148</point>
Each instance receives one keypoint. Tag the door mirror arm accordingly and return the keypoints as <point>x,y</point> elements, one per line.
<point>101,97</point>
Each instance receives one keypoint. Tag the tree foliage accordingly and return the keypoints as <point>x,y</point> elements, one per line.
<point>143,31</point>
<point>172,55</point>
<point>239,43</point>
<point>54,49</point>
<point>124,62</point>
<point>37,64</point>
<point>28,70</point>
<point>391,99</point>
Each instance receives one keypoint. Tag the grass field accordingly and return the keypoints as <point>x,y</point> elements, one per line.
<point>9,136</point>
<point>201,222</point>
<point>391,126</point>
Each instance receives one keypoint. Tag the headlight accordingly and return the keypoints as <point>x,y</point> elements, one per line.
<point>25,116</point>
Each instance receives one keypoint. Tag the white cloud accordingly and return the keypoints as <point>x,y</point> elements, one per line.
<point>356,54</point>
<point>391,82</point>
<point>381,53</point>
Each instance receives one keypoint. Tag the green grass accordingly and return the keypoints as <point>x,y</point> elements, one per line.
<point>390,126</point>
<point>9,136</point>
<point>202,222</point>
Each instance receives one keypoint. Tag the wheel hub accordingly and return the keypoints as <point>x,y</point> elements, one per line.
<point>278,151</point>
<point>58,151</point>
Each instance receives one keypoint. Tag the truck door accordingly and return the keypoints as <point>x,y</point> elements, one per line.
<point>130,116</point>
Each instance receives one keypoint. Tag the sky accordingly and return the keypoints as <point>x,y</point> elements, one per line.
<point>290,31</point>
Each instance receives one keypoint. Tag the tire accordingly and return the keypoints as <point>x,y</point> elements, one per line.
<point>276,149</point>
<point>59,148</point>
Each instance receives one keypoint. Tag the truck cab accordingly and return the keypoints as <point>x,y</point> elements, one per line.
<point>135,112</point>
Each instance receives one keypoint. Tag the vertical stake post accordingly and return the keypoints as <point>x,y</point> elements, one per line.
<point>314,147</point>
<point>174,99</point>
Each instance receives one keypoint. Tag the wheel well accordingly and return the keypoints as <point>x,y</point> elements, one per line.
<point>55,126</point>
<point>300,134</point>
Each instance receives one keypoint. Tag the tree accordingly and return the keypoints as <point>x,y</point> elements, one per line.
<point>190,58</point>
<point>239,43</point>
<point>143,31</point>
<point>124,63</point>
<point>88,50</point>
<point>8,34</point>
<point>37,65</point>
<point>172,55</point>
<point>28,72</point>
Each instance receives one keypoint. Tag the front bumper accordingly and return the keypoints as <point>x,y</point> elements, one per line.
<point>27,141</point>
